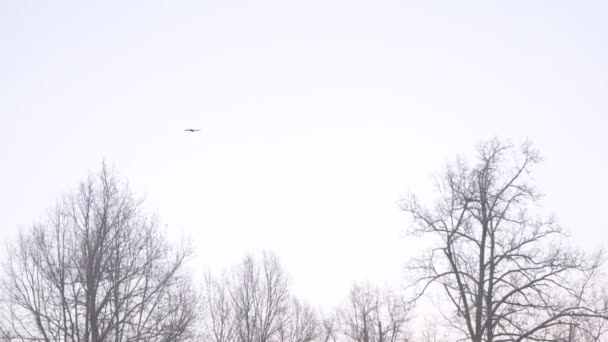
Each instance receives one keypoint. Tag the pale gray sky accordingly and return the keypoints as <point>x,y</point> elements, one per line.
<point>316,116</point>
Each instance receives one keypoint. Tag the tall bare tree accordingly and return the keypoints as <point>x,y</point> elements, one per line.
<point>218,310</point>
<point>501,266</point>
<point>582,328</point>
<point>329,328</point>
<point>300,323</point>
<point>97,270</point>
<point>260,295</point>
<point>251,303</point>
<point>374,316</point>
<point>430,333</point>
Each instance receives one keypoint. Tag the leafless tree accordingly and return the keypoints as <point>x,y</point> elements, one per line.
<point>219,313</point>
<point>97,270</point>
<point>430,331</point>
<point>251,303</point>
<point>582,328</point>
<point>503,269</point>
<point>260,296</point>
<point>300,324</point>
<point>329,328</point>
<point>374,316</point>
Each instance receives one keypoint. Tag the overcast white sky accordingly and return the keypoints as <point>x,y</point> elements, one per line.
<point>316,117</point>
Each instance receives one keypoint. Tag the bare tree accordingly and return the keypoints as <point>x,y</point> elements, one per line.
<point>219,313</point>
<point>300,324</point>
<point>374,316</point>
<point>429,334</point>
<point>329,328</point>
<point>248,304</point>
<point>503,269</point>
<point>583,328</point>
<point>97,270</point>
<point>260,297</point>
<point>252,303</point>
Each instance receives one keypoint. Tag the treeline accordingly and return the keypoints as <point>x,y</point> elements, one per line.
<point>99,269</point>
<point>252,302</point>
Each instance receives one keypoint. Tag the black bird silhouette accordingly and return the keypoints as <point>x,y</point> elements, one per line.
<point>191,130</point>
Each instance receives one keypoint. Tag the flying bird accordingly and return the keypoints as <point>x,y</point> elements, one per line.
<point>191,130</point>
